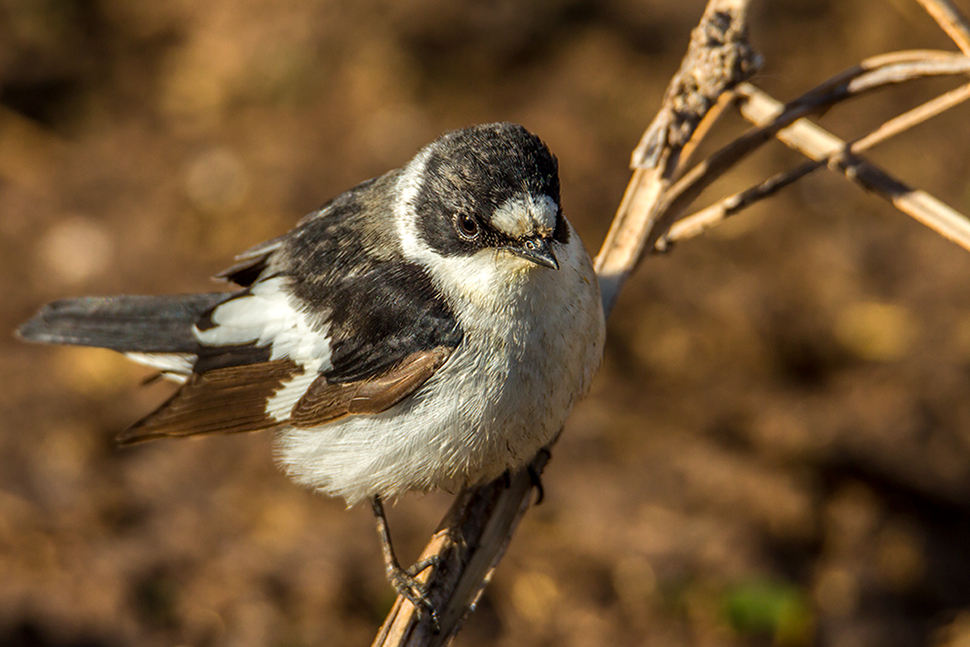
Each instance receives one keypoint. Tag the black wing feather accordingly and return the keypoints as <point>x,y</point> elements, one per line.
<point>348,271</point>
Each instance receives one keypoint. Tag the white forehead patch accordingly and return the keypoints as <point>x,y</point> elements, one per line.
<point>522,215</point>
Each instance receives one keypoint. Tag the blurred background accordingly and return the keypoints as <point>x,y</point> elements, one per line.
<point>777,450</point>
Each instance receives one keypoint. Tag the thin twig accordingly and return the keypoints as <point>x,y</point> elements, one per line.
<point>902,72</point>
<point>718,58</point>
<point>951,20</point>
<point>697,223</point>
<point>469,541</point>
<point>687,153</point>
<point>815,142</point>
<point>912,118</point>
<point>871,75</point>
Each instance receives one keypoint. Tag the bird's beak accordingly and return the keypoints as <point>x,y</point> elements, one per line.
<point>537,250</point>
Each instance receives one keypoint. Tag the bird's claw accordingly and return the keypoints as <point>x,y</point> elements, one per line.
<point>407,585</point>
<point>418,567</point>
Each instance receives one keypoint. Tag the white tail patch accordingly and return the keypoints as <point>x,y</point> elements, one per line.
<point>175,366</point>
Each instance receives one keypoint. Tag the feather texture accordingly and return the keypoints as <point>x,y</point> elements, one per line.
<point>129,323</point>
<point>324,402</point>
<point>224,400</point>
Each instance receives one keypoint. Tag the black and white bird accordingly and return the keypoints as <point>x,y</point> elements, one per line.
<point>428,329</point>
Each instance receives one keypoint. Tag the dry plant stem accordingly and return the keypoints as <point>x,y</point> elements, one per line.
<point>468,544</point>
<point>624,243</point>
<point>718,58</point>
<point>706,124</point>
<point>912,118</point>
<point>696,223</point>
<point>870,75</point>
<point>907,64</point>
<point>951,20</point>
<point>901,72</point>
<point>866,77</point>
<point>815,142</point>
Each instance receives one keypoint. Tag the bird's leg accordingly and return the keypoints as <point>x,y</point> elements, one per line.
<point>405,582</point>
<point>535,479</point>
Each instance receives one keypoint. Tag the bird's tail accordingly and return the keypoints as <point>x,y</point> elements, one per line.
<point>129,324</point>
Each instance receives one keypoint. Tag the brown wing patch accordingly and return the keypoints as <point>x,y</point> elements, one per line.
<point>324,402</point>
<point>224,400</point>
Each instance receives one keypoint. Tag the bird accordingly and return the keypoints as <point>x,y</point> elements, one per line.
<point>428,329</point>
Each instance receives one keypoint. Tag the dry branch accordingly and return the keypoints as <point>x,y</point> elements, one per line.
<point>651,204</point>
<point>951,20</point>
<point>872,74</point>
<point>819,144</point>
<point>695,224</point>
<point>718,58</point>
<point>469,541</point>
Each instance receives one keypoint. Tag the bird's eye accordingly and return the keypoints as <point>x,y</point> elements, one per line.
<point>467,226</point>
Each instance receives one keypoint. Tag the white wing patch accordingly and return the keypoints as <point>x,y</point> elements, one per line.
<point>281,404</point>
<point>268,317</point>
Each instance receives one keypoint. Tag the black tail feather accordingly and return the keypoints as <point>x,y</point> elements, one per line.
<point>148,324</point>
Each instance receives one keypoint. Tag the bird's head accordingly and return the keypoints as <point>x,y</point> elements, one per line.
<point>489,191</point>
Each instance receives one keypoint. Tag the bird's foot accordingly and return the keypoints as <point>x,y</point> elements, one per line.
<point>406,583</point>
<point>422,565</point>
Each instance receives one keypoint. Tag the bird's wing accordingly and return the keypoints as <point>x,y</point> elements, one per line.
<point>224,400</point>
<point>330,331</point>
<point>324,401</point>
<point>300,378</point>
<point>241,398</point>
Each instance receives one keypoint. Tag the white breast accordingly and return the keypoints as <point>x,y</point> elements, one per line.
<point>533,340</point>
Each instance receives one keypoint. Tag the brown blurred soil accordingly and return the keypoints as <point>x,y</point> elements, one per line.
<point>777,450</point>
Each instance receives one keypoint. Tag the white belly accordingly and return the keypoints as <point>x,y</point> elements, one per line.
<point>530,350</point>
